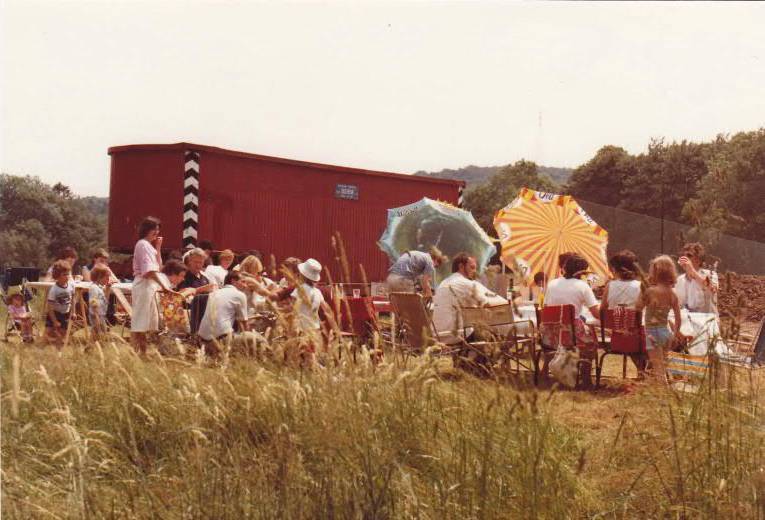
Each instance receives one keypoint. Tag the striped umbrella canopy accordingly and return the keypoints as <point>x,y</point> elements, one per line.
<point>427,223</point>
<point>537,227</point>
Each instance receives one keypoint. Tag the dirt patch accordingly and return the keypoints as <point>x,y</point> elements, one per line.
<point>744,294</point>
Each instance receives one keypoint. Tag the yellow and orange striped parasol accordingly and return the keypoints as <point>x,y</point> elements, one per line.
<point>537,227</point>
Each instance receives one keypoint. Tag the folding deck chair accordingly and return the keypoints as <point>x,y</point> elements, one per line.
<point>557,327</point>
<point>483,344</point>
<point>621,333</point>
<point>414,320</point>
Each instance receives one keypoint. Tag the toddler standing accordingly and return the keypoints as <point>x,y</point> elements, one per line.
<point>59,301</point>
<point>97,302</point>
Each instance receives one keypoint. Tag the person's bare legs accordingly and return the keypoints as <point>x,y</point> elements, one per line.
<point>138,339</point>
<point>656,358</point>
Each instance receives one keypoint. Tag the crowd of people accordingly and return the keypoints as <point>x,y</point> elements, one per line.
<point>656,293</point>
<point>214,300</point>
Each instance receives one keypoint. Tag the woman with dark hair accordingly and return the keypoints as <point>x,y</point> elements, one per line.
<point>571,289</point>
<point>147,259</point>
<point>69,255</point>
<point>624,289</point>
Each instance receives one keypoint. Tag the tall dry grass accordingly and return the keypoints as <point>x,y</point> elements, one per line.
<point>105,434</point>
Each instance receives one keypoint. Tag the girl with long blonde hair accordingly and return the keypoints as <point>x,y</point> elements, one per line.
<point>657,300</point>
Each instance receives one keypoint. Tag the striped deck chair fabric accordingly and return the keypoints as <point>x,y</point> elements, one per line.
<point>686,367</point>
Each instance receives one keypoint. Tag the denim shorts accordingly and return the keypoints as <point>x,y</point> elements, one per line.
<point>657,337</point>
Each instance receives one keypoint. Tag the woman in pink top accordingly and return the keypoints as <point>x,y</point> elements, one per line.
<point>147,260</point>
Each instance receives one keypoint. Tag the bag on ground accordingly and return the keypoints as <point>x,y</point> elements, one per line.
<point>564,367</point>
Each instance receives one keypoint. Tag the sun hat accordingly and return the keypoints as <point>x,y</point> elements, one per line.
<point>311,269</point>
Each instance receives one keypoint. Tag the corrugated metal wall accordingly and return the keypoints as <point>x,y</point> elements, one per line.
<point>145,183</point>
<point>274,206</point>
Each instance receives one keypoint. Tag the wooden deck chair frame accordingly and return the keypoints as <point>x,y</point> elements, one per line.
<point>415,321</point>
<point>512,347</point>
<point>636,334</point>
<point>753,345</point>
<point>78,315</point>
<point>122,319</point>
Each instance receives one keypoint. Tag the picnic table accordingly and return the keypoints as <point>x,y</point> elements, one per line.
<point>80,287</point>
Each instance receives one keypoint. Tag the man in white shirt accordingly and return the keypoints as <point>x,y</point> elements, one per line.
<point>224,307</point>
<point>696,288</point>
<point>460,289</point>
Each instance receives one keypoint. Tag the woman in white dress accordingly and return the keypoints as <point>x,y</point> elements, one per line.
<point>147,260</point>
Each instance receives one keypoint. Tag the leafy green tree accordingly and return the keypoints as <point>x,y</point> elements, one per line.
<point>601,179</point>
<point>26,244</point>
<point>730,196</point>
<point>664,179</point>
<point>485,200</point>
<point>27,206</point>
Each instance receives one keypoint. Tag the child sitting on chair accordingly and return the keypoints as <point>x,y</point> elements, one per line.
<point>97,302</point>
<point>20,316</point>
<point>59,301</point>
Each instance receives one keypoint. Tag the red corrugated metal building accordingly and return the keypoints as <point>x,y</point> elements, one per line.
<point>244,201</point>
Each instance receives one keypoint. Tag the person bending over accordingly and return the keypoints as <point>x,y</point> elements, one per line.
<point>414,265</point>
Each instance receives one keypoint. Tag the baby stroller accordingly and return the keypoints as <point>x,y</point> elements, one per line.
<point>18,276</point>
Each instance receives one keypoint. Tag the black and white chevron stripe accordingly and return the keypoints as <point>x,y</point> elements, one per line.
<point>459,196</point>
<point>191,199</point>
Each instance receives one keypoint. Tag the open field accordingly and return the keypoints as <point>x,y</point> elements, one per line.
<point>105,434</point>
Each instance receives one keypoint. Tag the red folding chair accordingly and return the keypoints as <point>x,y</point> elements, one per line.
<point>558,327</point>
<point>626,338</point>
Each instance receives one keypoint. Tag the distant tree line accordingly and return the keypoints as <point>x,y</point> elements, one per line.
<point>37,220</point>
<point>715,187</point>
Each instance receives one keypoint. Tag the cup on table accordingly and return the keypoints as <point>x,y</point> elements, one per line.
<point>357,293</point>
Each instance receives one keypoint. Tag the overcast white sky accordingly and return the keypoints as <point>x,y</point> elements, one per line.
<point>395,86</point>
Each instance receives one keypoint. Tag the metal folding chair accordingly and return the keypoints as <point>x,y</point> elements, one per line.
<point>621,333</point>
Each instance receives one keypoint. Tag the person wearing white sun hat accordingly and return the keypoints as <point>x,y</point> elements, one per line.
<point>309,298</point>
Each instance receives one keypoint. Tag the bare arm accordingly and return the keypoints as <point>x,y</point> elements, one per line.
<point>427,291</point>
<point>258,288</point>
<point>678,317</point>
<point>158,246</point>
<point>692,274</point>
<point>641,301</point>
<point>154,275</point>
<point>243,325</point>
<point>604,301</point>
